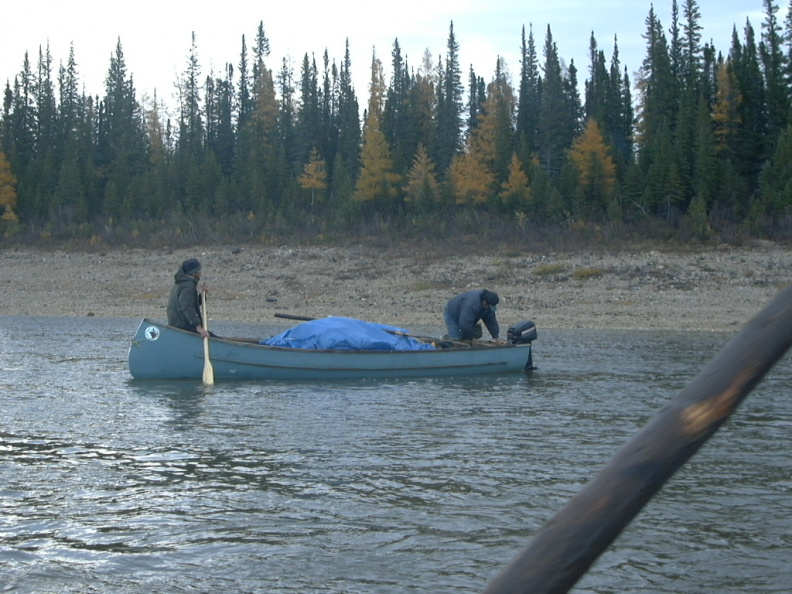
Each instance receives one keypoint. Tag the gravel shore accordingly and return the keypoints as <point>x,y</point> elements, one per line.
<point>716,289</point>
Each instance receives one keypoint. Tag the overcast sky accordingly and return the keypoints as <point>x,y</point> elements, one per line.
<point>156,35</point>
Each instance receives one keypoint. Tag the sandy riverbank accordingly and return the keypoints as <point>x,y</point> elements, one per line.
<point>718,289</point>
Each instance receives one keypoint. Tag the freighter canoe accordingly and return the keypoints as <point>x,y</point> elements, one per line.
<point>159,351</point>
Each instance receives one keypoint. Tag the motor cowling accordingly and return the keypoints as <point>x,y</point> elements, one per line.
<point>522,332</point>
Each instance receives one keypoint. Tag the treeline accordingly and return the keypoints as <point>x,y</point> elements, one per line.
<point>699,143</point>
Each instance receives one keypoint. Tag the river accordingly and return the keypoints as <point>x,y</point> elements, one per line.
<point>429,485</point>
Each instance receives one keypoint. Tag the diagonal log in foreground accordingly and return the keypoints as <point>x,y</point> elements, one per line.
<point>569,543</point>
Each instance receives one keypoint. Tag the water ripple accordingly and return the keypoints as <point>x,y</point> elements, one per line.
<point>424,485</point>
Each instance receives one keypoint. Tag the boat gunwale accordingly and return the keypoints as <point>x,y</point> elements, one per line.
<point>245,342</point>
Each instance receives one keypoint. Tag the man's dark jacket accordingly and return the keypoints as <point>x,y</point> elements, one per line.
<point>183,305</point>
<point>466,309</point>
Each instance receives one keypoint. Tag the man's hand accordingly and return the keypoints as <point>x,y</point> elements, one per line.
<point>200,330</point>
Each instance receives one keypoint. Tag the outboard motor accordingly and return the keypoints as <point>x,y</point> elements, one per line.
<point>522,332</point>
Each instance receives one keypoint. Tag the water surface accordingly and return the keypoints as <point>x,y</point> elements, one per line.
<point>430,485</point>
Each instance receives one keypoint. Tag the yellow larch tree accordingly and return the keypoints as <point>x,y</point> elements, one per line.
<point>377,87</point>
<point>8,194</point>
<point>474,175</point>
<point>377,180</point>
<point>725,114</point>
<point>516,190</point>
<point>596,169</point>
<point>314,175</point>
<point>156,134</point>
<point>422,186</point>
<point>266,111</point>
<point>470,179</point>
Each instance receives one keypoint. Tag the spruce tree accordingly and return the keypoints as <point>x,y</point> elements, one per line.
<point>222,139</point>
<point>750,142</point>
<point>396,112</point>
<point>329,109</point>
<point>243,92</point>
<point>349,134</point>
<point>309,116</point>
<point>287,111</point>
<point>774,67</point>
<point>191,121</point>
<point>776,178</point>
<point>449,105</point>
<point>122,144</point>
<point>529,98</point>
<point>619,115</point>
<point>556,126</point>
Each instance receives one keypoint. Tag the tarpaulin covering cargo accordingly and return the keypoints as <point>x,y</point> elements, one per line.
<point>340,333</point>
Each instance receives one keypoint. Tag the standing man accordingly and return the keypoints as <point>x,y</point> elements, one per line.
<point>463,312</point>
<point>184,303</point>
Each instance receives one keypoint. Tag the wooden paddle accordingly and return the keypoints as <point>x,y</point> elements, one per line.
<point>208,371</point>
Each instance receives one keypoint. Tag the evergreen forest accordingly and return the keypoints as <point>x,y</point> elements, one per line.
<point>696,145</point>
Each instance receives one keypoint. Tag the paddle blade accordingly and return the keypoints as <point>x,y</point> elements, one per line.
<point>208,370</point>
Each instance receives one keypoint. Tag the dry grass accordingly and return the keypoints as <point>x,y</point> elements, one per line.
<point>586,273</point>
<point>549,269</point>
<point>425,285</point>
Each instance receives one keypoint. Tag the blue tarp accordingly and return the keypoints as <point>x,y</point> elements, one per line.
<point>347,334</point>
